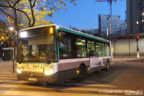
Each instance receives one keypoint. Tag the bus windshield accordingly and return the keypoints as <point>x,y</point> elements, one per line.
<point>37,49</point>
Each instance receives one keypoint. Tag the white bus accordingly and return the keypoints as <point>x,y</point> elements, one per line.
<point>53,54</point>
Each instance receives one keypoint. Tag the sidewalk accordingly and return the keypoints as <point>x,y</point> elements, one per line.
<point>6,70</point>
<point>6,66</point>
<point>127,58</point>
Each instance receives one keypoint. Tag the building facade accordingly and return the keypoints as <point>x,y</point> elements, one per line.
<point>111,25</point>
<point>135,16</point>
<point>127,47</point>
<point>94,32</point>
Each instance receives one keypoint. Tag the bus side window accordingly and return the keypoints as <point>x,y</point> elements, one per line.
<point>107,47</point>
<point>90,48</point>
<point>65,47</point>
<point>103,49</point>
<point>99,48</point>
<point>96,49</point>
<point>81,50</point>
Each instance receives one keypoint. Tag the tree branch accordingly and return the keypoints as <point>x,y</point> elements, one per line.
<point>13,7</point>
<point>32,12</point>
<point>16,21</point>
<point>8,3</point>
<point>7,14</point>
<point>33,5</point>
<point>1,5</point>
<point>25,15</point>
<point>17,1</point>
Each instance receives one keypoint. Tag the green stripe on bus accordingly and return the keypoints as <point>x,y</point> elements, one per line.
<point>82,34</point>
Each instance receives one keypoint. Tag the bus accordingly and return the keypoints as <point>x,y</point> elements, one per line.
<point>54,54</point>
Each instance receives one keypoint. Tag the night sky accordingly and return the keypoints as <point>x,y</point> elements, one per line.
<point>85,14</point>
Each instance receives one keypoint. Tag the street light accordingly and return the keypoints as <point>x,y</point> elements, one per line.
<point>11,28</point>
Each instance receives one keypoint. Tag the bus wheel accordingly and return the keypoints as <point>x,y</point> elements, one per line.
<point>82,73</point>
<point>60,83</point>
<point>107,66</point>
<point>43,84</point>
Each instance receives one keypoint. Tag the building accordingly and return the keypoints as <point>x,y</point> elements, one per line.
<point>127,45</point>
<point>111,25</point>
<point>91,31</point>
<point>94,32</point>
<point>135,16</point>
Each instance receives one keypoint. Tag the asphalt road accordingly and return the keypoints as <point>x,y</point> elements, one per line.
<point>125,78</point>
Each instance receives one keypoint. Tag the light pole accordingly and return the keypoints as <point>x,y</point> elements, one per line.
<point>137,39</point>
<point>107,32</point>
<point>13,61</point>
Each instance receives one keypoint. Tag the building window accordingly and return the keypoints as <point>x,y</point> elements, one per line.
<point>137,22</point>
<point>143,13</point>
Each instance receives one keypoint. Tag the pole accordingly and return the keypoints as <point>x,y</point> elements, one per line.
<point>129,43</point>
<point>14,58</point>
<point>107,32</point>
<point>138,55</point>
<point>110,7</point>
<point>14,52</point>
<point>110,28</point>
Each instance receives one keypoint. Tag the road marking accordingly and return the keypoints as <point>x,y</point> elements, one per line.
<point>3,90</point>
<point>112,76</point>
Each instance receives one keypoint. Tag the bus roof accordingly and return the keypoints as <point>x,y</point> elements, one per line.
<point>71,31</point>
<point>81,34</point>
<point>38,27</point>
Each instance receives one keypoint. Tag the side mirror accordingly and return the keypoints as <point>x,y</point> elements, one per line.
<point>60,36</point>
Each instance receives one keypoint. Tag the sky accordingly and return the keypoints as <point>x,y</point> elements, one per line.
<point>85,14</point>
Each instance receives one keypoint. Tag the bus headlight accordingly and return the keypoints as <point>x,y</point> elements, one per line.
<point>49,72</point>
<point>23,34</point>
<point>19,71</point>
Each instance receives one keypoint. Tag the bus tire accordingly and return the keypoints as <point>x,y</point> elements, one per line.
<point>107,67</point>
<point>82,74</point>
<point>60,83</point>
<point>43,84</point>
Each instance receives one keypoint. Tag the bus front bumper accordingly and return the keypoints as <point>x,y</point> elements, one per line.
<point>36,77</point>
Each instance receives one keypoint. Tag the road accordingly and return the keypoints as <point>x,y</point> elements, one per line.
<point>125,78</point>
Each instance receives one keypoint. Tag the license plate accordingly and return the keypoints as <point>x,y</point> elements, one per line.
<point>32,79</point>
